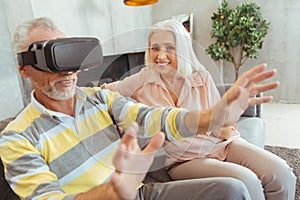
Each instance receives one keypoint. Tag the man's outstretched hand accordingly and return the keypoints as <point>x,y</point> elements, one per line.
<point>241,95</point>
<point>132,163</point>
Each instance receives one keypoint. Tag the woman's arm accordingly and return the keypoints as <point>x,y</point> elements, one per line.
<point>127,86</point>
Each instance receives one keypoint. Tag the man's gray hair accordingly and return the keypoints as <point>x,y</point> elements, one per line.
<point>20,38</point>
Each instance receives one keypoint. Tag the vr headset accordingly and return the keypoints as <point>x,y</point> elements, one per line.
<point>63,54</point>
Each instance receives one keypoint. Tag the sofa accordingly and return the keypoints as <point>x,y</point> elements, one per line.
<point>5,192</point>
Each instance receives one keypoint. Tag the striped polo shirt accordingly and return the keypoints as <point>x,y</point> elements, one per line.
<point>48,154</point>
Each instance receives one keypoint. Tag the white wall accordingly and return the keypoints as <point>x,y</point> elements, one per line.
<point>11,99</point>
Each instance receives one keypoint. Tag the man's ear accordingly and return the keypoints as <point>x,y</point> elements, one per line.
<point>23,70</point>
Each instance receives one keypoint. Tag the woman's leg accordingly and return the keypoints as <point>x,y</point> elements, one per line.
<point>276,176</point>
<point>208,167</point>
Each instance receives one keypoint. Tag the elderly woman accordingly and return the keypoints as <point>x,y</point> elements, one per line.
<point>173,76</point>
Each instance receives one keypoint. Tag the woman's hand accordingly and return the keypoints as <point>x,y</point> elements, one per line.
<point>224,133</point>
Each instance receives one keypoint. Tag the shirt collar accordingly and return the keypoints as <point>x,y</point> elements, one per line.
<point>79,96</point>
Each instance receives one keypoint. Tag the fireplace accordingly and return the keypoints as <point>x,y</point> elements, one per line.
<point>114,67</point>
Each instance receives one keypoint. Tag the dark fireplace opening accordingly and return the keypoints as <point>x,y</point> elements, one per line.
<point>114,67</point>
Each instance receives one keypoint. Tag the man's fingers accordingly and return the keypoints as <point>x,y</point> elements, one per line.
<point>155,143</point>
<point>263,88</point>
<point>244,79</point>
<point>232,94</point>
<point>255,101</point>
<point>119,156</point>
<point>130,136</point>
<point>115,179</point>
<point>264,76</point>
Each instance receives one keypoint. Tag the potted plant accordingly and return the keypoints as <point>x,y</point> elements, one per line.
<point>239,33</point>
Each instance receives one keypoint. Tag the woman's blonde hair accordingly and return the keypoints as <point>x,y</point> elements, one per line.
<point>186,57</point>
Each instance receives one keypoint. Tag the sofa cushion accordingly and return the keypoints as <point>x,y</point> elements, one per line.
<point>253,130</point>
<point>250,112</point>
<point>3,123</point>
<point>6,193</point>
<point>157,171</point>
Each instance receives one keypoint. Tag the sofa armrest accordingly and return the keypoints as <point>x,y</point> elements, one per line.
<point>259,107</point>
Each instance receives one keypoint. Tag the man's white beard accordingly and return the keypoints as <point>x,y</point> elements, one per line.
<point>53,93</point>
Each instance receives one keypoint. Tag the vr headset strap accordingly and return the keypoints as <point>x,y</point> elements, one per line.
<point>26,58</point>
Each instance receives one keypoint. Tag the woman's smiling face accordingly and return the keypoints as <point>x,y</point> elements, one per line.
<point>162,46</point>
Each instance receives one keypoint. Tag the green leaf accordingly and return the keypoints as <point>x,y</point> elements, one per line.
<point>243,26</point>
